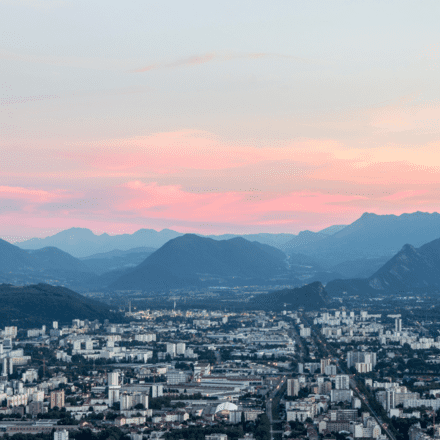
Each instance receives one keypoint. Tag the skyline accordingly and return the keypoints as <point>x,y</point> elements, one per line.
<point>218,118</point>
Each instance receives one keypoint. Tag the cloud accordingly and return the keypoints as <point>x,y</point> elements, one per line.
<point>172,202</point>
<point>404,195</point>
<point>31,194</point>
<point>219,57</point>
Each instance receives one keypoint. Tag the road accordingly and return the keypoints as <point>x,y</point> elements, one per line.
<point>353,385</point>
<point>367,403</point>
<point>271,396</point>
<point>300,350</point>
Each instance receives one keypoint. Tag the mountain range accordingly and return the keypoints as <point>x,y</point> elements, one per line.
<point>82,243</point>
<point>370,237</point>
<point>367,239</point>
<point>411,269</point>
<point>350,254</point>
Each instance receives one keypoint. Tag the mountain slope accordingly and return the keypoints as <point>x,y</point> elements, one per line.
<point>117,259</point>
<point>410,269</point>
<point>47,265</point>
<point>311,296</point>
<point>54,259</point>
<point>189,259</point>
<point>360,268</point>
<point>42,303</point>
<point>13,258</point>
<point>303,240</point>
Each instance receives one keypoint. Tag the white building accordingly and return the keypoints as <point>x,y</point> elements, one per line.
<point>61,434</point>
<point>113,387</point>
<point>171,349</point>
<point>342,382</point>
<point>180,348</point>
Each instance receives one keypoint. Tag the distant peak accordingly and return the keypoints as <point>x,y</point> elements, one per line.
<point>307,232</point>
<point>408,247</point>
<point>77,231</point>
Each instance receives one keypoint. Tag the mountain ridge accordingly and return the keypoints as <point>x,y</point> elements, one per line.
<point>187,259</point>
<point>409,269</point>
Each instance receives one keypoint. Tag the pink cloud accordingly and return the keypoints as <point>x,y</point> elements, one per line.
<point>403,195</point>
<point>194,179</point>
<point>31,195</point>
<point>246,207</point>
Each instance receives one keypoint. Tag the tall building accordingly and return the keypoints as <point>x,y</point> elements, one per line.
<point>171,349</point>
<point>57,399</point>
<point>330,370</point>
<point>292,387</point>
<point>354,357</point>
<point>10,332</point>
<point>305,332</point>
<point>180,348</point>
<point>113,387</point>
<point>390,399</point>
<point>324,363</point>
<point>128,401</point>
<point>61,434</point>
<point>5,370</point>
<point>342,382</point>
<point>398,325</point>
<point>156,391</point>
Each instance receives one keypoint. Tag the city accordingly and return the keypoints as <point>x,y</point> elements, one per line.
<point>219,220</point>
<point>265,375</point>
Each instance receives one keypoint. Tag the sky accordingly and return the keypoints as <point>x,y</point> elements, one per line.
<point>216,117</point>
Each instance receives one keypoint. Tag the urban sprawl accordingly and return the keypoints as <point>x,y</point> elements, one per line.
<point>215,376</point>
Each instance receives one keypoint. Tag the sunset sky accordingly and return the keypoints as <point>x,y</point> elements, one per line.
<point>216,116</point>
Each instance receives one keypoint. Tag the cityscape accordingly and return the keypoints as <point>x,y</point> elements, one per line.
<point>219,220</point>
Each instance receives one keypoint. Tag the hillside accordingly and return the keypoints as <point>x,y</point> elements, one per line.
<point>411,269</point>
<point>191,260</point>
<point>116,259</point>
<point>53,259</point>
<point>12,258</point>
<point>48,265</point>
<point>360,268</point>
<point>42,303</point>
<point>311,297</point>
